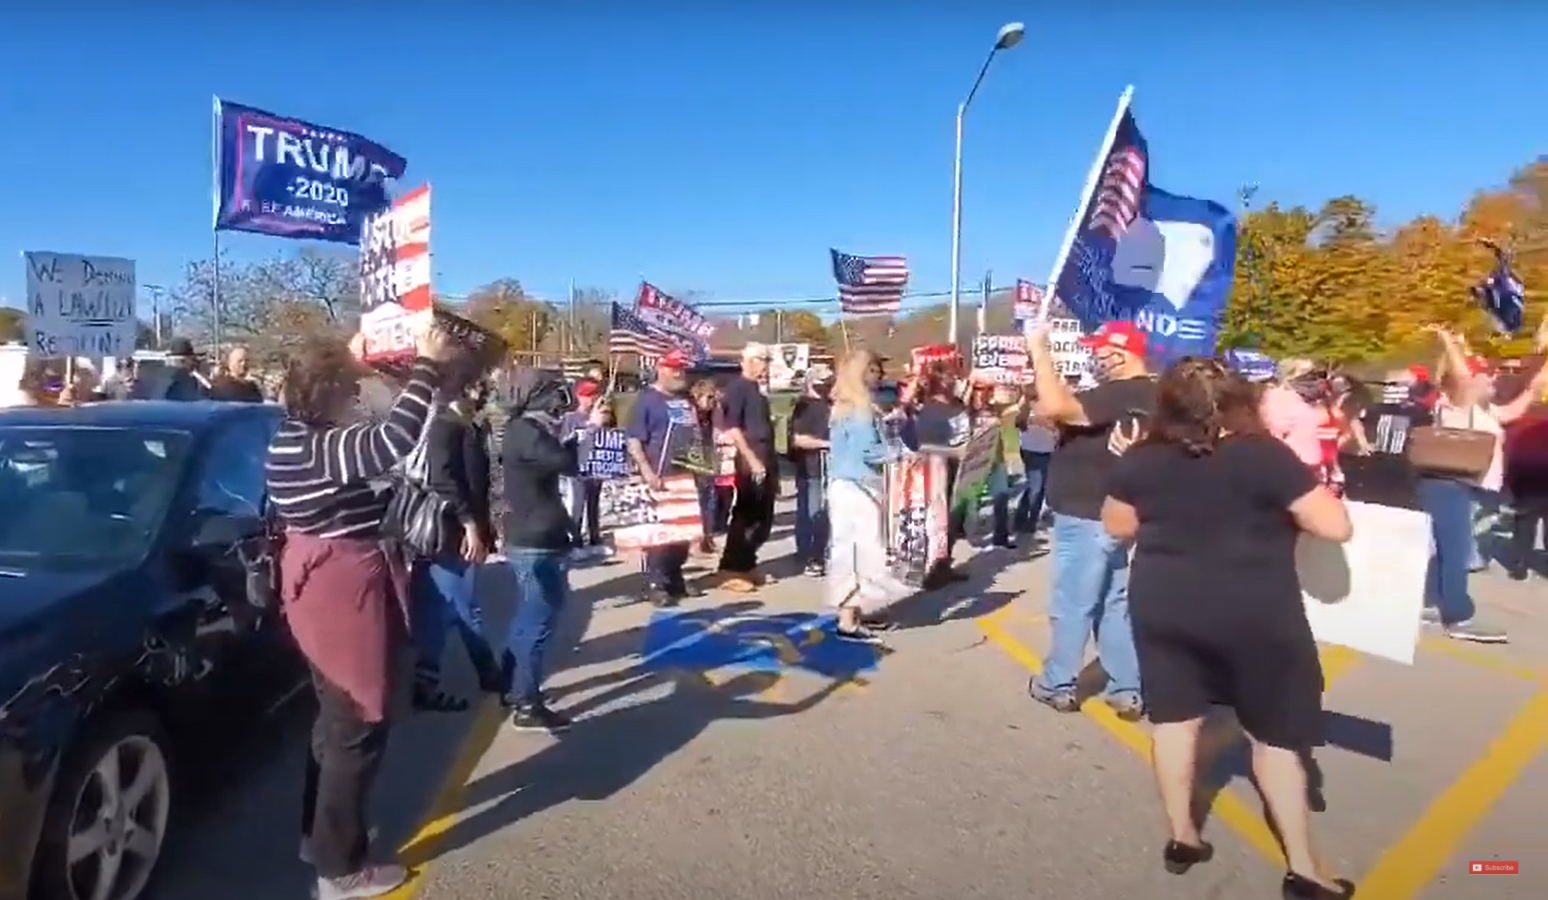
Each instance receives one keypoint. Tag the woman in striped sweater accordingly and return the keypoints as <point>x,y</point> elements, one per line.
<point>344,589</point>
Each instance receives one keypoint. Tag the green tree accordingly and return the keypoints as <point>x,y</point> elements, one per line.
<point>13,324</point>
<point>505,308</point>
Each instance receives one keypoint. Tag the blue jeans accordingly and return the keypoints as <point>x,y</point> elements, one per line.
<point>542,588</point>
<point>811,521</point>
<point>1090,595</point>
<point>1449,504</point>
<point>1029,508</point>
<point>444,601</point>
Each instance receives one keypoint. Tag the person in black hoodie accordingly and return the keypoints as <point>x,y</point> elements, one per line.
<point>457,456</point>
<point>534,455</point>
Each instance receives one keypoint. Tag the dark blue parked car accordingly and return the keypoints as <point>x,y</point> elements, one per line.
<point>124,616</point>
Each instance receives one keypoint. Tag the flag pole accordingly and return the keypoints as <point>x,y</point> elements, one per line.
<point>1092,178</point>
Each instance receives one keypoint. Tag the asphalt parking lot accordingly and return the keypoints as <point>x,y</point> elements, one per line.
<point>731,749</point>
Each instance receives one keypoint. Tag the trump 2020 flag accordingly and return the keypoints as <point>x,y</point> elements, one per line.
<point>291,178</point>
<point>1138,253</point>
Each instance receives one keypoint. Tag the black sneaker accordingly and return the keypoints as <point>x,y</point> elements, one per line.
<point>858,634</point>
<point>660,598</point>
<point>879,623</point>
<point>816,569</point>
<point>539,717</point>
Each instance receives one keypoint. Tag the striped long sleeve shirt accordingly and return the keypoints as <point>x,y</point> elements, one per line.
<point>320,479</point>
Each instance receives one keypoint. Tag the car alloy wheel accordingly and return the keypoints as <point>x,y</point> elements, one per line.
<point>118,821</point>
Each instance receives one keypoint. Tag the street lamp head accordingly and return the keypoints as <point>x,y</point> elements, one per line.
<point>1010,35</point>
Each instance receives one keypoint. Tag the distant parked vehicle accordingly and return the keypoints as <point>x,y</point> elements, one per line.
<point>124,615</point>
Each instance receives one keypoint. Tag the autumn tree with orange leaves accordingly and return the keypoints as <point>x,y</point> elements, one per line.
<point>1330,284</point>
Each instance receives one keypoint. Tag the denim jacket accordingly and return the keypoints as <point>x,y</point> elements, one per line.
<point>856,450</point>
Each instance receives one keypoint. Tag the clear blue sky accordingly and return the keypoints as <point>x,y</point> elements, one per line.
<point>724,151</point>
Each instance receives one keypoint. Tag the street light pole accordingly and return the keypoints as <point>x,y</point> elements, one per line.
<point>1009,36</point>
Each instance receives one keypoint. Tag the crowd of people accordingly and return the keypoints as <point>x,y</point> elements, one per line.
<point>1175,499</point>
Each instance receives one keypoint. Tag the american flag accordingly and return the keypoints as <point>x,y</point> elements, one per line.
<point>1122,188</point>
<point>632,334</point>
<point>869,285</point>
<point>639,517</point>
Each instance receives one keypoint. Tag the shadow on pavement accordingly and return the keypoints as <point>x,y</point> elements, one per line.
<point>607,752</point>
<point>1225,755</point>
<point>968,599</point>
<point>237,831</point>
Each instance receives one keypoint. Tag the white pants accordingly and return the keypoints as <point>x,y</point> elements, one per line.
<point>857,550</point>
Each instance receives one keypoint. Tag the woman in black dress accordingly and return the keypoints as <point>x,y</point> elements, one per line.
<point>1215,507</point>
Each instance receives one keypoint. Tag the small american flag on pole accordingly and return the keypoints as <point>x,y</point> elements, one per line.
<point>869,285</point>
<point>1122,187</point>
<point>632,334</point>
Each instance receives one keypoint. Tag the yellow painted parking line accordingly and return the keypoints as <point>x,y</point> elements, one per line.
<point>1413,862</point>
<point>1228,807</point>
<point>1481,657</point>
<point>446,805</point>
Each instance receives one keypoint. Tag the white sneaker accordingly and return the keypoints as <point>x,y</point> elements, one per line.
<point>372,881</point>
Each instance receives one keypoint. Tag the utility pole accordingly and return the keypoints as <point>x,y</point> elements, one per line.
<point>983,303</point>
<point>1244,194</point>
<point>156,291</point>
<point>570,344</point>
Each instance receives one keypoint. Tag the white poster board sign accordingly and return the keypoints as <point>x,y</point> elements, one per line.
<point>788,364</point>
<point>1070,357</point>
<point>80,305</point>
<point>1368,594</point>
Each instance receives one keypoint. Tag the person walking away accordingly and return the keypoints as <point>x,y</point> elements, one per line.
<point>344,591</point>
<point>1449,499</point>
<point>1038,439</point>
<point>859,582</point>
<point>1090,591</point>
<point>582,494</point>
<point>444,585</point>
<point>660,430</point>
<point>808,448</point>
<point>536,453</point>
<point>942,424</point>
<point>235,383</point>
<point>748,424</point>
<point>1214,508</point>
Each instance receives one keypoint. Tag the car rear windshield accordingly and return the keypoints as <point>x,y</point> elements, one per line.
<point>75,496</point>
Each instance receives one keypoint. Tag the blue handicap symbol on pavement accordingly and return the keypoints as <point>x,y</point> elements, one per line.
<point>697,642</point>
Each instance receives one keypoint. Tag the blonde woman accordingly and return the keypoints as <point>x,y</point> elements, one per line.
<point>1449,499</point>
<point>858,580</point>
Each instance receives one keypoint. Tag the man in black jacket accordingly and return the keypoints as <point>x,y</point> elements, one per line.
<point>179,379</point>
<point>534,456</point>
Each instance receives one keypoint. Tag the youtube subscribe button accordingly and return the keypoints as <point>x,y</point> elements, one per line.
<point>1494,867</point>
